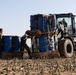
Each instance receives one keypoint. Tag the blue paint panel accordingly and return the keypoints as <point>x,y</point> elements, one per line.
<point>45,24</point>
<point>43,44</point>
<point>15,40</point>
<point>15,43</point>
<point>7,44</point>
<point>40,23</point>
<point>6,38</point>
<point>6,41</point>
<point>34,22</point>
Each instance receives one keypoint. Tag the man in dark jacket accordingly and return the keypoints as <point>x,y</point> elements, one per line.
<point>62,27</point>
<point>24,45</point>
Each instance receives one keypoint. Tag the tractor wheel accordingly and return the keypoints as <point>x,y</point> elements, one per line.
<point>66,48</point>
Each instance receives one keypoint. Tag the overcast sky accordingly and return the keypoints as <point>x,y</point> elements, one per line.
<point>15,14</point>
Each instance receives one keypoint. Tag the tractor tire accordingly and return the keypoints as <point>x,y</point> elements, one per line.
<point>66,48</point>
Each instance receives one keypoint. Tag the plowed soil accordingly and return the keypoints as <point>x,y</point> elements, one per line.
<point>53,66</point>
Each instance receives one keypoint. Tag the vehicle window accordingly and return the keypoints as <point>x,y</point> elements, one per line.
<point>67,20</point>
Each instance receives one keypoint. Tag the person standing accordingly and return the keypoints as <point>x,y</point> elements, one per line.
<point>24,45</point>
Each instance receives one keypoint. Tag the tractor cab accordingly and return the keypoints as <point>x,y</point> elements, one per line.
<point>67,23</point>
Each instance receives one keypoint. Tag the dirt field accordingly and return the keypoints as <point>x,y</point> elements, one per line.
<point>56,66</point>
<point>53,66</point>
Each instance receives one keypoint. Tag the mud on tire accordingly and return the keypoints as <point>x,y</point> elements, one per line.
<point>66,48</point>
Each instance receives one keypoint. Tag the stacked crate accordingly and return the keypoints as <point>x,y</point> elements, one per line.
<point>6,43</point>
<point>40,21</point>
<point>10,43</point>
<point>15,43</point>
